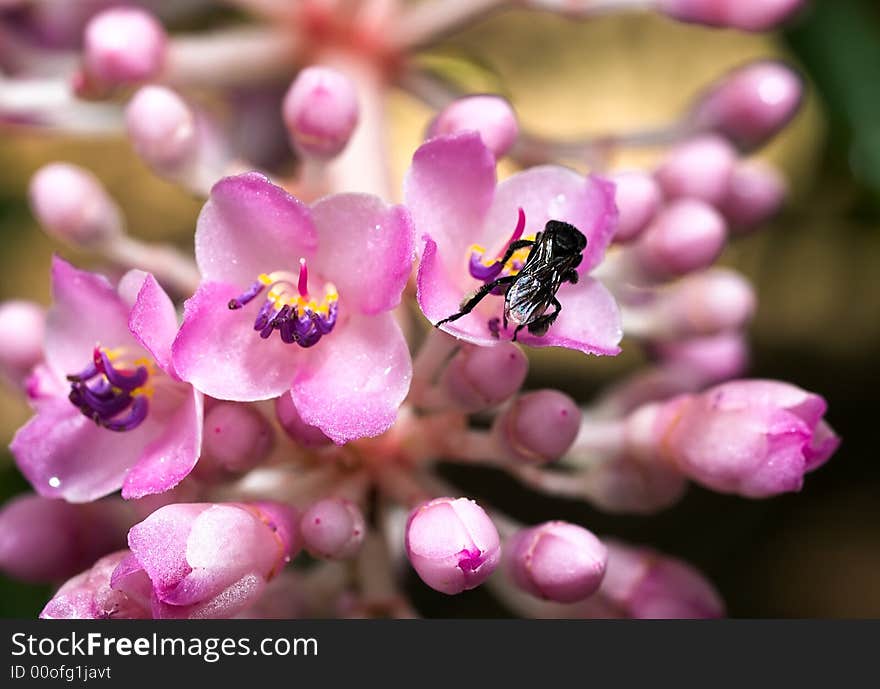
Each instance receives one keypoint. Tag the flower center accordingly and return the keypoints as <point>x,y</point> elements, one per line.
<point>488,269</point>
<point>112,392</point>
<point>289,308</point>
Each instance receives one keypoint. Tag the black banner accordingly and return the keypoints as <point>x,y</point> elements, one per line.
<point>408,653</point>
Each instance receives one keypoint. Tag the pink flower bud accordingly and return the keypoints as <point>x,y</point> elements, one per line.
<point>297,429</point>
<point>478,378</point>
<point>638,198</point>
<point>705,303</point>
<point>72,205</point>
<point>751,104</point>
<point>557,561</point>
<point>699,169</point>
<point>713,358</point>
<point>210,559</point>
<point>48,540</point>
<point>539,426</point>
<point>747,15</point>
<point>755,438</point>
<point>490,116</point>
<point>22,325</point>
<point>89,596</point>
<point>124,45</point>
<point>644,584</point>
<point>162,129</point>
<point>333,529</point>
<point>685,236</point>
<point>756,193</point>
<point>452,544</point>
<point>237,437</point>
<point>321,111</point>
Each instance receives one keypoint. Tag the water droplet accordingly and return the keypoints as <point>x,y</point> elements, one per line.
<point>54,482</point>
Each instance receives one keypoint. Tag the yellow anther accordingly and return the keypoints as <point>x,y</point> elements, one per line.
<point>265,279</point>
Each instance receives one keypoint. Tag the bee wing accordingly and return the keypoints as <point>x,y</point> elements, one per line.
<point>530,295</point>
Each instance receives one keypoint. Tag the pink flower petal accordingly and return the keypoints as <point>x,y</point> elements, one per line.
<point>153,322</point>
<point>220,353</point>
<point>448,189</point>
<point>551,192</point>
<point>86,311</point>
<point>589,321</point>
<point>439,297</point>
<point>365,249</point>
<point>355,379</point>
<point>250,226</point>
<point>65,455</point>
<point>169,458</point>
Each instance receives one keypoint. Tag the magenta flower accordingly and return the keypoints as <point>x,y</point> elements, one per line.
<point>206,560</point>
<point>756,438</point>
<point>467,224</point>
<point>327,278</point>
<point>117,416</point>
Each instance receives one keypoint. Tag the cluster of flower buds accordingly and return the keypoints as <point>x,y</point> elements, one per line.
<point>285,391</point>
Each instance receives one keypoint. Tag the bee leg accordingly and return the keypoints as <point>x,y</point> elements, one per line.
<point>541,325</point>
<point>514,247</point>
<point>571,276</point>
<point>479,295</point>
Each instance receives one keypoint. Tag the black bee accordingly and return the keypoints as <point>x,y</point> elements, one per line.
<point>555,254</point>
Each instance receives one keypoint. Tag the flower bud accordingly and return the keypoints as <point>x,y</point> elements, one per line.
<point>755,194</point>
<point>713,358</point>
<point>333,529</point>
<point>162,129</point>
<point>754,438</point>
<point>751,104</point>
<point>124,45</point>
<point>22,325</point>
<point>321,111</point>
<point>685,236</point>
<point>478,378</point>
<point>89,596</point>
<point>698,169</point>
<point>705,303</point>
<point>539,426</point>
<point>452,544</point>
<point>644,584</point>
<point>490,116</point>
<point>297,429</point>
<point>638,198</point>
<point>557,561</point>
<point>72,205</point>
<point>207,559</point>
<point>747,15</point>
<point>47,540</point>
<point>237,437</point>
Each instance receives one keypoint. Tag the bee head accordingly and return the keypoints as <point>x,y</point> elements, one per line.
<point>567,239</point>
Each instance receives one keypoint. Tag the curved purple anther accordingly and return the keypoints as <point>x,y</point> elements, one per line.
<point>287,332</point>
<point>247,296</point>
<point>480,271</point>
<point>88,372</point>
<point>132,420</point>
<point>121,379</point>
<point>264,315</point>
<point>104,407</point>
<point>324,322</point>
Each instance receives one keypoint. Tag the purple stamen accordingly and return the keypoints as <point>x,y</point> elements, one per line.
<point>135,417</point>
<point>486,273</point>
<point>264,315</point>
<point>102,392</point>
<point>248,295</point>
<point>121,379</point>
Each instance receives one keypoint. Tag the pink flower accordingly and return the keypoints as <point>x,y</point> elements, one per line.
<point>467,224</point>
<point>327,277</point>
<point>116,415</point>
<point>206,560</point>
<point>756,438</point>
